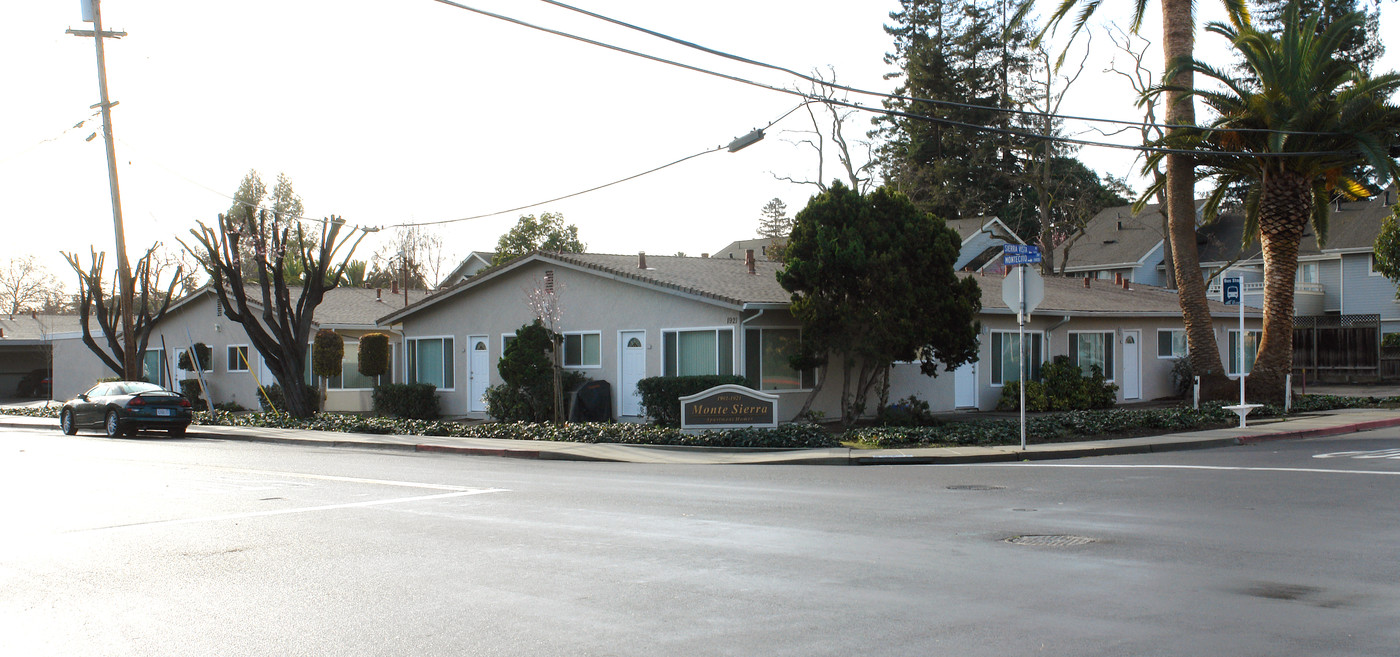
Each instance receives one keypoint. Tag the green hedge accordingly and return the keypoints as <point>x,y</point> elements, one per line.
<point>418,401</point>
<point>327,353</point>
<point>374,354</point>
<point>1062,387</point>
<point>661,395</point>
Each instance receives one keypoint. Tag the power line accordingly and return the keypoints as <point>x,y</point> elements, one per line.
<point>885,111</point>
<point>880,94</point>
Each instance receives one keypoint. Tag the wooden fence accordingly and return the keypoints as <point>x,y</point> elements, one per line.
<point>1339,348</point>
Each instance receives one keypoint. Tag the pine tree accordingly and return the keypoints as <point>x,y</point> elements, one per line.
<point>775,225</point>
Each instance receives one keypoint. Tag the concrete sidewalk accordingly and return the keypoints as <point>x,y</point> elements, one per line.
<point>1312,425</point>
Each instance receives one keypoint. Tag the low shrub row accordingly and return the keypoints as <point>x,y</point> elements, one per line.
<point>661,395</point>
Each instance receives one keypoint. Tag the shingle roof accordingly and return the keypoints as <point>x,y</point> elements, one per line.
<point>357,305</point>
<point>1357,224</point>
<point>1115,236</point>
<point>26,326</point>
<point>1068,296</point>
<point>967,227</point>
<point>1219,242</point>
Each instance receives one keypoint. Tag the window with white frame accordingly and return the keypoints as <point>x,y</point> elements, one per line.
<point>1251,349</point>
<point>506,339</point>
<point>430,360</point>
<point>583,349</point>
<point>1371,265</point>
<point>697,352</point>
<point>237,358</point>
<point>1171,343</point>
<point>1092,348</point>
<point>767,354</point>
<point>1006,352</point>
<point>153,367</point>
<point>1307,272</point>
<point>350,377</point>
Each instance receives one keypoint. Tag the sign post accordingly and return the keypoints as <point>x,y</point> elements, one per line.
<point>1232,294</point>
<point>1027,292</point>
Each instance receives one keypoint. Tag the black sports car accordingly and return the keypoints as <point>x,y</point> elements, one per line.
<point>119,407</point>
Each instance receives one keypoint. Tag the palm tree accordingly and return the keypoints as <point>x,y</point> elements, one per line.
<point>1293,132</point>
<point>1178,42</point>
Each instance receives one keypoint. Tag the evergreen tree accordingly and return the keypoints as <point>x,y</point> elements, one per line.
<point>961,52</point>
<point>776,226</point>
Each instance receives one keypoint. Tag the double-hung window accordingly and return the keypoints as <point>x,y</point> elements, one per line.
<point>1006,353</point>
<point>1171,343</point>
<point>429,360</point>
<point>697,352</point>
<point>1090,349</point>
<point>583,350</point>
<point>1251,349</point>
<point>237,358</point>
<point>766,359</point>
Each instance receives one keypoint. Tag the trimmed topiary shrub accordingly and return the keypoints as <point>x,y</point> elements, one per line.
<point>190,389</point>
<point>202,352</point>
<point>374,354</point>
<point>327,352</point>
<point>418,401</point>
<point>661,395</point>
<point>526,393</point>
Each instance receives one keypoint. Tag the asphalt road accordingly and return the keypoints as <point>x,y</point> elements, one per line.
<point>154,546</point>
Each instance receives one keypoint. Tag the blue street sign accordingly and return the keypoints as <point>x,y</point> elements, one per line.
<point>1010,260</point>
<point>1231,288</point>
<point>1021,249</point>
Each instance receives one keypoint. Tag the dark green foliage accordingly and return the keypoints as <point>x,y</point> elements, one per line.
<point>661,395</point>
<point>190,388</point>
<point>872,280</point>
<point>417,401</point>
<point>327,352</point>
<point>1386,251</point>
<point>908,412</point>
<point>1063,387</point>
<point>546,233</point>
<point>526,393</point>
<point>1390,340</point>
<point>374,354</point>
<point>274,399</point>
<point>231,407</point>
<point>202,352</point>
<point>1182,377</point>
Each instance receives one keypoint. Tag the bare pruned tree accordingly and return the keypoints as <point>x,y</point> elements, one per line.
<point>828,131</point>
<point>149,307</point>
<point>278,325</point>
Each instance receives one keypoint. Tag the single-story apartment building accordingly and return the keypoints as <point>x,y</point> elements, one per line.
<point>626,317</point>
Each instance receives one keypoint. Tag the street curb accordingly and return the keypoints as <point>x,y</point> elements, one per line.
<point>1322,432</point>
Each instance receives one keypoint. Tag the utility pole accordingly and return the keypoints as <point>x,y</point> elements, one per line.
<point>129,361</point>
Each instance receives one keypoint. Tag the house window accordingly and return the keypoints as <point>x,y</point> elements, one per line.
<point>506,339</point>
<point>766,354</point>
<point>1006,354</point>
<point>583,350</point>
<point>350,377</point>
<point>697,352</point>
<point>429,360</point>
<point>1371,265</point>
<point>1307,272</point>
<point>237,358</point>
<point>1171,343</point>
<point>1251,349</point>
<point>1090,349</point>
<point>153,367</point>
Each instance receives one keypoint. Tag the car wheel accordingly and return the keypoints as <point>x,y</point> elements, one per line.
<point>65,421</point>
<point>176,432</point>
<point>113,425</point>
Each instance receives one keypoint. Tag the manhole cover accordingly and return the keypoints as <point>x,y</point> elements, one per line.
<point>1050,540</point>
<point>975,487</point>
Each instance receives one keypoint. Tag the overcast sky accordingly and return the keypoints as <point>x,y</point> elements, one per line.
<point>387,112</point>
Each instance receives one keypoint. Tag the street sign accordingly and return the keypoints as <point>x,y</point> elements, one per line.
<point>1231,288</point>
<point>1020,254</point>
<point>1011,290</point>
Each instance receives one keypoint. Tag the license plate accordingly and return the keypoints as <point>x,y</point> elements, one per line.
<point>162,411</point>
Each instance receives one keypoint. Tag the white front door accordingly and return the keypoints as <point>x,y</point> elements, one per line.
<point>1132,384</point>
<point>478,372</point>
<point>965,386</point>
<point>634,369</point>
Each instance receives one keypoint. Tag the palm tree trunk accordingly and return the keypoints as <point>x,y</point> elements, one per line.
<point>1284,208</point>
<point>1178,27</point>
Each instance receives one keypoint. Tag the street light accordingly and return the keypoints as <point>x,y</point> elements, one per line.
<point>740,143</point>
